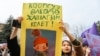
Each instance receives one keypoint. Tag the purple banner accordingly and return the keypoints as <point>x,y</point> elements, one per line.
<point>94,44</point>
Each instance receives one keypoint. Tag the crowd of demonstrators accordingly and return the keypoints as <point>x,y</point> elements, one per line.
<point>69,48</point>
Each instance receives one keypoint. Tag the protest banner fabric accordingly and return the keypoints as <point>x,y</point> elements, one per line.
<point>94,44</point>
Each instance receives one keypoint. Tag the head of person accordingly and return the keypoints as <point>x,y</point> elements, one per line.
<point>36,32</point>
<point>66,48</point>
<point>84,45</point>
<point>40,44</point>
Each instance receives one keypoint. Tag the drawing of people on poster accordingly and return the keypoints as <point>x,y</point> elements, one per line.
<point>40,42</point>
<point>41,35</point>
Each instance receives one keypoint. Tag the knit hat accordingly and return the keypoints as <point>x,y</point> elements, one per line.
<point>40,40</point>
<point>36,32</point>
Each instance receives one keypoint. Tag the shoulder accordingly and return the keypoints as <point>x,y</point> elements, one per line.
<point>79,50</point>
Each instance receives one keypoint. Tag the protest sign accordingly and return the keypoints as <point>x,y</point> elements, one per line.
<point>40,34</point>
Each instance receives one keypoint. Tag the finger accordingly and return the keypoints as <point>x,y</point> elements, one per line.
<point>20,18</point>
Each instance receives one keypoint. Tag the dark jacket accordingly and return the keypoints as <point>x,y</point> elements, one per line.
<point>13,45</point>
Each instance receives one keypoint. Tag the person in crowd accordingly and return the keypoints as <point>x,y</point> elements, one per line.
<point>12,40</point>
<point>67,48</point>
<point>68,45</point>
<point>86,48</point>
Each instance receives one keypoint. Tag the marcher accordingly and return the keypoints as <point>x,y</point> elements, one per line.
<point>86,48</point>
<point>12,43</point>
<point>68,45</point>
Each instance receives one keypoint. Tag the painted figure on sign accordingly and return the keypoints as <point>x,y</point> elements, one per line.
<point>40,44</point>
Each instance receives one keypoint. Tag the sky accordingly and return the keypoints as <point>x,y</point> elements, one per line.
<point>74,12</point>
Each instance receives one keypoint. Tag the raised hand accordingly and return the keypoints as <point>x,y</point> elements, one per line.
<point>20,19</point>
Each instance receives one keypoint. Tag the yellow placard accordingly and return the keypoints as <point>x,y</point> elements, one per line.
<point>40,29</point>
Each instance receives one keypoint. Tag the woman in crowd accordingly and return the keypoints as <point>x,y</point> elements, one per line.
<point>86,48</point>
<point>68,45</point>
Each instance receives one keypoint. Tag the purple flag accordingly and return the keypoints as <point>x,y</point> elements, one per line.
<point>94,44</point>
<point>83,33</point>
<point>94,30</point>
<point>84,42</point>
